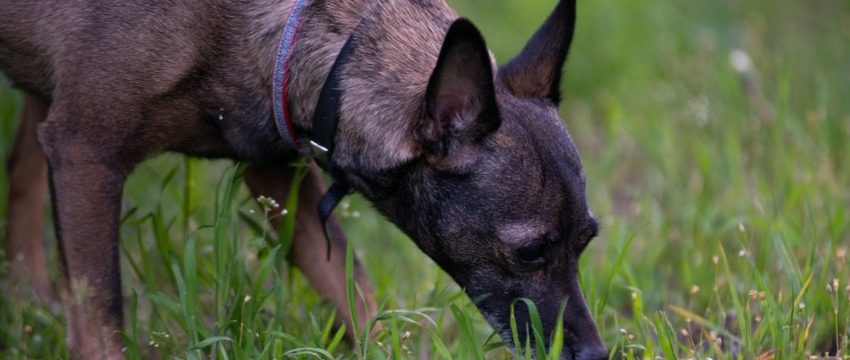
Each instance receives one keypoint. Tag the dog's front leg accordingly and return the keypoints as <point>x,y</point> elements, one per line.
<point>309,247</point>
<point>88,164</point>
<point>27,192</point>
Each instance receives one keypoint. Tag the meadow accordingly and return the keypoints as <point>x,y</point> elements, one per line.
<point>715,136</point>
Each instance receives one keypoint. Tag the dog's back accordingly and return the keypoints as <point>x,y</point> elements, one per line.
<point>142,47</point>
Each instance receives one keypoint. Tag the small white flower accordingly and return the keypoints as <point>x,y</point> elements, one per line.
<point>740,60</point>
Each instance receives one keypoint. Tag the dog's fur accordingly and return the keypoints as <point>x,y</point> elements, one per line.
<point>471,161</point>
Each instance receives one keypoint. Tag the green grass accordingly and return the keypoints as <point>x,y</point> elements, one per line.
<point>723,225</point>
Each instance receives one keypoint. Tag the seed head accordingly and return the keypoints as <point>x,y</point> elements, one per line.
<point>715,260</point>
<point>267,203</point>
<point>754,295</point>
<point>694,289</point>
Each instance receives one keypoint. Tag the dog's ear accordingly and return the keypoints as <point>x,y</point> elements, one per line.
<point>536,71</point>
<point>460,101</point>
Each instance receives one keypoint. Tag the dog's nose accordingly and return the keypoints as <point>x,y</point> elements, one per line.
<point>592,353</point>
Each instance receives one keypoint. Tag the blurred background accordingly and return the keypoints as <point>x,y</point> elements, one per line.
<point>716,140</point>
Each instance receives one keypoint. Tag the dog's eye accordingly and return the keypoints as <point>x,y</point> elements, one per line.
<point>531,253</point>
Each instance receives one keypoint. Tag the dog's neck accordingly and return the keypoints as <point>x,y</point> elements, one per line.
<point>396,44</point>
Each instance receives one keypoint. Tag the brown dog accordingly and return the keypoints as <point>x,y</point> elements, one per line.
<point>470,160</point>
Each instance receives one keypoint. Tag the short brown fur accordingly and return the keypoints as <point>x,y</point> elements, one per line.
<point>470,160</point>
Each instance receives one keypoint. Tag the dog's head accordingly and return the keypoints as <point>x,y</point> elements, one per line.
<point>497,196</point>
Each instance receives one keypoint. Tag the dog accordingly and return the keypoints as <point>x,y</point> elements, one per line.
<point>470,160</point>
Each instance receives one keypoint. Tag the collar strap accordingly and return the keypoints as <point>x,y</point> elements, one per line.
<point>281,74</point>
<point>326,115</point>
<point>325,119</point>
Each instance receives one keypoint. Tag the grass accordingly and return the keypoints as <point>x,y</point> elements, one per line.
<point>722,194</point>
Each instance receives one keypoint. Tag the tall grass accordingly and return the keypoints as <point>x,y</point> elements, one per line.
<point>722,192</point>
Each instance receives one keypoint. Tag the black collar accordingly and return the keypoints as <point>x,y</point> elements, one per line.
<point>325,119</point>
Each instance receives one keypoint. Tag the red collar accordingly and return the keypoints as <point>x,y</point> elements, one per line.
<point>281,75</point>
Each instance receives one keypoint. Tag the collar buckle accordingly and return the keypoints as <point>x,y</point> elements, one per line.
<point>319,153</point>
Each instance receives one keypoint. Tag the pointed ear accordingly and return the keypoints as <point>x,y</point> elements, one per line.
<point>460,101</point>
<point>536,71</point>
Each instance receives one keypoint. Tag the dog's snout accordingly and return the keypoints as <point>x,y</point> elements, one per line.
<point>591,353</point>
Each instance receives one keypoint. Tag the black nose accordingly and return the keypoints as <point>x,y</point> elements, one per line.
<point>592,353</point>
